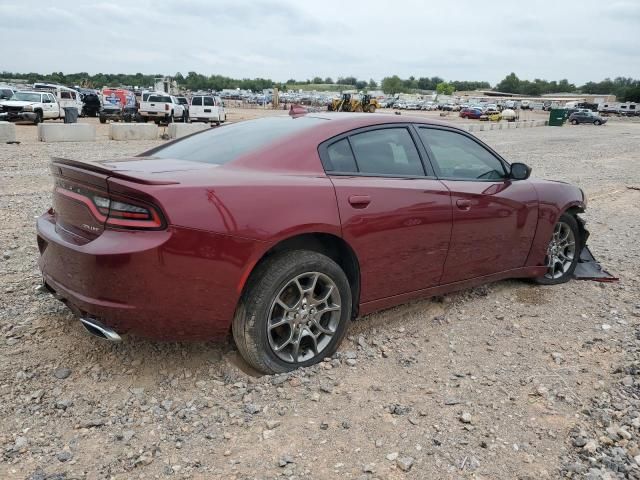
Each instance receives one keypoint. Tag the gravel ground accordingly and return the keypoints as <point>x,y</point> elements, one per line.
<point>506,381</point>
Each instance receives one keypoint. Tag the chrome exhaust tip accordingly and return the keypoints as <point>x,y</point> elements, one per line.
<point>97,329</point>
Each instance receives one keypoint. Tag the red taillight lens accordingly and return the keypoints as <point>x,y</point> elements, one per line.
<point>114,212</point>
<point>128,215</point>
<point>166,106</point>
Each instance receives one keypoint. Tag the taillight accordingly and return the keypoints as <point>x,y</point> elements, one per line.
<point>166,106</point>
<point>114,212</point>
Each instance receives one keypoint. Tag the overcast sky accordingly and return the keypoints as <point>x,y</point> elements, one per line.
<point>579,40</point>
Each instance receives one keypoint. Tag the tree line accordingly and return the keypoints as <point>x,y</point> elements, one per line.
<point>625,89</point>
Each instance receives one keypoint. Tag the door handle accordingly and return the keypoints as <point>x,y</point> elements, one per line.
<point>359,201</point>
<point>463,204</point>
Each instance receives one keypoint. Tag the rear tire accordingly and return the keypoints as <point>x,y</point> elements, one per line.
<point>281,281</point>
<point>103,119</point>
<point>597,122</point>
<point>563,251</point>
<point>574,122</point>
<point>372,109</point>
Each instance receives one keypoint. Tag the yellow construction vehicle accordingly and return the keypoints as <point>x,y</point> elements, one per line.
<point>354,103</point>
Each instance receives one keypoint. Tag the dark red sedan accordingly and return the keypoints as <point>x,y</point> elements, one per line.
<point>283,229</point>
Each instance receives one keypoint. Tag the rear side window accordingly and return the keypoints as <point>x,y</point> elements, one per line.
<point>458,157</point>
<point>65,94</point>
<point>341,158</point>
<point>208,101</point>
<point>196,101</point>
<point>387,151</point>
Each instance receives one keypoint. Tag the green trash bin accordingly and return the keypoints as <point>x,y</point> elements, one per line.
<point>557,117</point>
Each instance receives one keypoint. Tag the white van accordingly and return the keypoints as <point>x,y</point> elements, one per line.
<point>67,97</point>
<point>207,108</point>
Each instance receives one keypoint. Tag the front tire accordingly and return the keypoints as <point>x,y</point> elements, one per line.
<point>597,122</point>
<point>294,312</point>
<point>39,117</point>
<point>574,122</point>
<point>563,251</point>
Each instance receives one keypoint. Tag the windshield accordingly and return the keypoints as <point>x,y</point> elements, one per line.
<point>222,145</point>
<point>26,97</point>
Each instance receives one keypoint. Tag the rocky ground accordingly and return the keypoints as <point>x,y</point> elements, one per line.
<point>506,381</point>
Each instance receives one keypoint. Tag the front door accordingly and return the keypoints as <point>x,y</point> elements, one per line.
<point>494,217</point>
<point>393,212</point>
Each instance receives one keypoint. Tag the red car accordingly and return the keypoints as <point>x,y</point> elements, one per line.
<point>281,230</point>
<point>472,112</point>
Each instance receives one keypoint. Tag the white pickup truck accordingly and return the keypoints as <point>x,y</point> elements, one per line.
<point>31,106</point>
<point>162,107</point>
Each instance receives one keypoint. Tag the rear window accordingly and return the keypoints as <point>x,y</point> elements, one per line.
<point>196,101</point>
<point>208,101</point>
<point>160,99</point>
<point>221,145</point>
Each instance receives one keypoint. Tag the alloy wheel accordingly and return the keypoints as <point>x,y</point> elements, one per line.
<point>304,316</point>
<point>561,251</point>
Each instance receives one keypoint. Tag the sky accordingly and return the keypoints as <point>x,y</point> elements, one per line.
<point>580,40</point>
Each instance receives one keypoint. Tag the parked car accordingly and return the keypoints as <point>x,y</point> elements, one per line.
<point>161,107</point>
<point>66,97</point>
<point>207,108</point>
<point>185,103</point>
<point>471,112</point>
<point>210,234</point>
<point>6,92</point>
<point>31,106</point>
<point>118,105</point>
<point>586,117</point>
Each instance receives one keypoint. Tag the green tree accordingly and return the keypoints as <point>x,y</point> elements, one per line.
<point>444,88</point>
<point>373,84</point>
<point>510,84</point>
<point>392,85</point>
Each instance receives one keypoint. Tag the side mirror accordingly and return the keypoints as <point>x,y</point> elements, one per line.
<point>519,171</point>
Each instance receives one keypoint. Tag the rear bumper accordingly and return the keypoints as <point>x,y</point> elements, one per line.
<point>176,284</point>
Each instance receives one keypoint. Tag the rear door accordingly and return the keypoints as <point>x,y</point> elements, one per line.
<point>195,111</point>
<point>394,212</point>
<point>210,110</point>
<point>494,217</point>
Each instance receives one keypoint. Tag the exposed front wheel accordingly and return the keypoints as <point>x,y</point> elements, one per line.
<point>563,251</point>
<point>39,117</point>
<point>294,312</point>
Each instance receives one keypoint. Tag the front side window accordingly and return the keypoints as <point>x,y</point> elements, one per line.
<point>458,157</point>
<point>387,151</point>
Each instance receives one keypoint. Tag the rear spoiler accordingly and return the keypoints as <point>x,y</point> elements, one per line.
<point>76,169</point>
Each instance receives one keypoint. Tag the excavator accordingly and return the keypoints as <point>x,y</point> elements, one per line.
<point>354,103</point>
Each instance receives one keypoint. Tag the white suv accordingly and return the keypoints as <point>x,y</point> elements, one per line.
<point>207,108</point>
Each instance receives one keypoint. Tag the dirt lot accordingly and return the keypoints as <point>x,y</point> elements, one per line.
<point>498,382</point>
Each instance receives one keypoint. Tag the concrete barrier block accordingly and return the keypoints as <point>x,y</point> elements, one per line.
<point>470,128</point>
<point>66,132</point>
<point>7,132</point>
<point>177,130</point>
<point>133,131</point>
